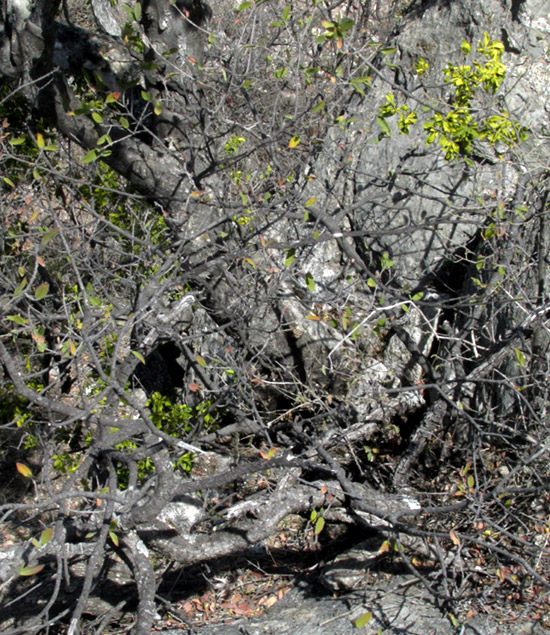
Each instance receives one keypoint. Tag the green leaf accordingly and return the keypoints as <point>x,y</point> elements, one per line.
<point>26,571</point>
<point>244,6</point>
<point>19,290</point>
<point>17,141</point>
<point>158,108</point>
<point>97,117</point>
<point>319,525</point>
<point>137,11</point>
<point>311,201</point>
<point>46,536</point>
<point>124,123</point>
<point>90,157</point>
<point>388,51</point>
<point>371,283</point>
<point>520,357</point>
<point>200,361</point>
<point>17,319</point>
<point>313,515</point>
<point>384,125</point>
<point>319,107</point>
<point>40,140</point>
<point>48,236</point>
<point>41,291</point>
<point>362,620</point>
<point>310,282</point>
<point>139,356</point>
<point>114,538</point>
<point>8,181</point>
<point>146,96</point>
<point>291,257</point>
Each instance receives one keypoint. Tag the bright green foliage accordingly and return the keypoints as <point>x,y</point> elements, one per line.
<point>460,126</point>
<point>233,144</point>
<point>335,30</point>
<point>421,67</point>
<point>457,129</point>
<point>175,420</point>
<point>389,109</point>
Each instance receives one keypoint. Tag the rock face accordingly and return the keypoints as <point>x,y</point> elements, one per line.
<point>410,201</point>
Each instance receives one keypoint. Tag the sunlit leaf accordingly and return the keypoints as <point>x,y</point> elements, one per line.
<point>139,356</point>
<point>200,361</point>
<point>114,538</point>
<point>310,282</point>
<point>291,257</point>
<point>18,319</point>
<point>97,117</point>
<point>319,525</point>
<point>40,140</point>
<point>294,141</point>
<point>24,470</point>
<point>362,620</point>
<point>46,536</point>
<point>90,157</point>
<point>26,571</point>
<point>520,357</point>
<point>41,291</point>
<point>311,201</point>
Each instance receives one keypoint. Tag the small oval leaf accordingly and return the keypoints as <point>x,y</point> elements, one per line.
<point>294,141</point>
<point>362,620</point>
<point>200,361</point>
<point>46,536</point>
<point>41,291</point>
<point>24,470</point>
<point>90,157</point>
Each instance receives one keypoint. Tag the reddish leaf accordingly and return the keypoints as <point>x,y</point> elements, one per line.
<point>24,470</point>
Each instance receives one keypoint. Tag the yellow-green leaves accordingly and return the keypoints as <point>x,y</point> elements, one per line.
<point>362,620</point>
<point>295,141</point>
<point>44,539</point>
<point>32,570</point>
